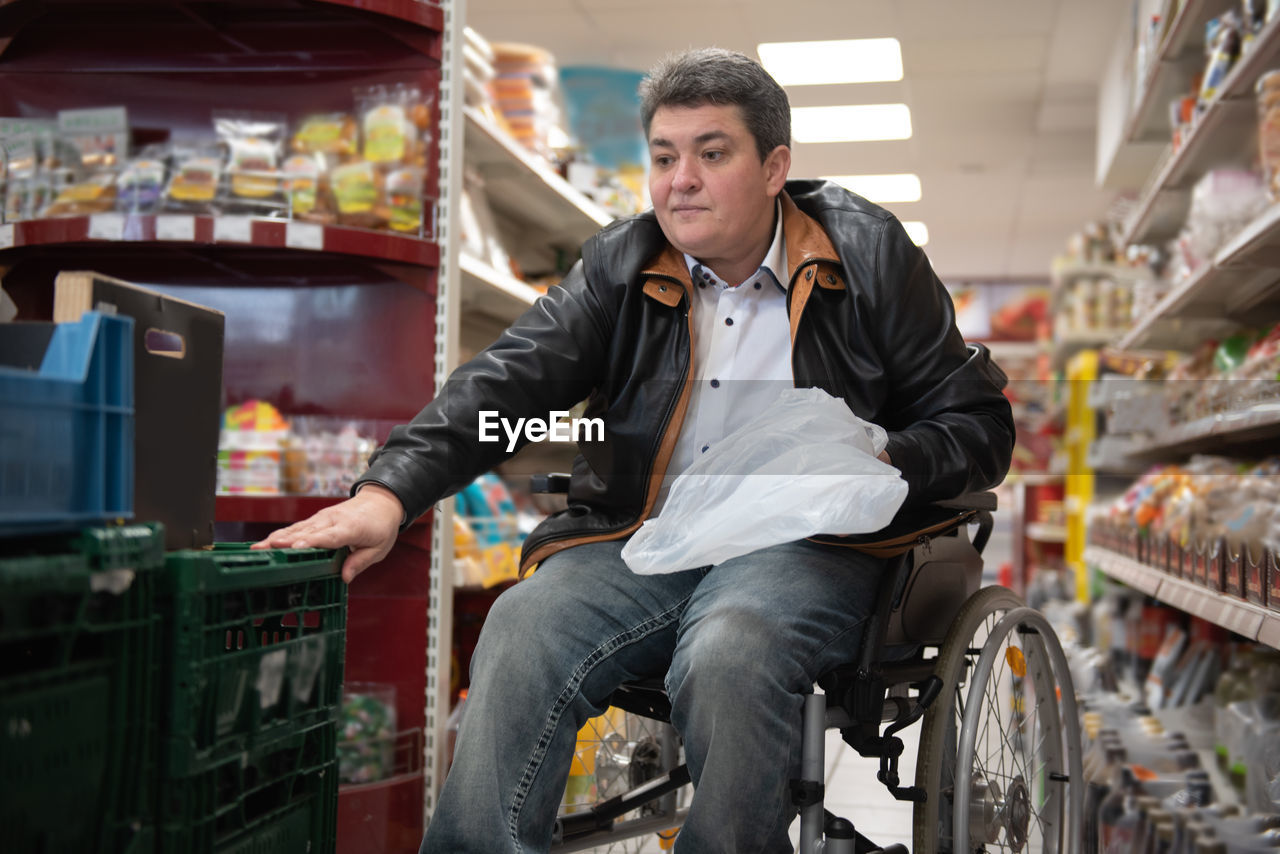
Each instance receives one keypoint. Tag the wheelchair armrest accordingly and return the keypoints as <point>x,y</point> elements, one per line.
<point>970,501</point>
<point>549,484</point>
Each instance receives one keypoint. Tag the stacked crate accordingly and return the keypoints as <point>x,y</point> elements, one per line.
<point>151,701</point>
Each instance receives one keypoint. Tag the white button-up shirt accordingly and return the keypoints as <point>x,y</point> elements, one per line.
<point>741,354</point>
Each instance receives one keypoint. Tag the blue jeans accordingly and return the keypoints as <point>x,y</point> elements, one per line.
<point>740,644</point>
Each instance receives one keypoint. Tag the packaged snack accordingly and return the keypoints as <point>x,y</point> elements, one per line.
<point>94,195</point>
<point>195,181</point>
<point>100,137</point>
<point>386,133</point>
<point>355,188</point>
<point>301,184</point>
<point>395,123</point>
<point>326,133</point>
<point>141,184</point>
<point>1268,91</point>
<point>404,199</point>
<point>253,157</point>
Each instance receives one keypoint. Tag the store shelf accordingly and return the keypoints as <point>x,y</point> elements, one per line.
<point>1214,432</point>
<point>492,292</point>
<point>420,12</point>
<point>1045,533</point>
<point>1068,344</point>
<point>524,187</point>
<point>1244,618</point>
<point>1175,61</point>
<point>183,228</point>
<point>1224,136</point>
<point>1239,279</point>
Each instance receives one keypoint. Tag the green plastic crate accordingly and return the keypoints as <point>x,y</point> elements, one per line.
<point>254,643</point>
<point>78,690</point>
<point>279,796</point>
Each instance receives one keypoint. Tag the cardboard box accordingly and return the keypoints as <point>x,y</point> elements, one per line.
<point>177,349</point>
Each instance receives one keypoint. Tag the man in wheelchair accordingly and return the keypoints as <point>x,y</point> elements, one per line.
<point>676,326</point>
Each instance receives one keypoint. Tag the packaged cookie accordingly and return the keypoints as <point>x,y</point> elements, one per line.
<point>327,133</point>
<point>404,199</point>
<point>356,189</point>
<point>96,194</point>
<point>141,184</point>
<point>302,185</point>
<point>193,187</point>
<point>253,160</point>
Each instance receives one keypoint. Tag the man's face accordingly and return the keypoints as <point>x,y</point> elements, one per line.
<point>713,196</point>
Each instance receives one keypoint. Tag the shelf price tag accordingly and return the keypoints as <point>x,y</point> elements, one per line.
<point>233,229</point>
<point>304,235</point>
<point>106,226</point>
<point>6,236</point>
<point>175,227</point>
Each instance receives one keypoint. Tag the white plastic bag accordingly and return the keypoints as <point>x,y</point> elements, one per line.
<point>806,465</point>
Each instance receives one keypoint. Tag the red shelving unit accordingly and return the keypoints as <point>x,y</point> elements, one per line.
<point>322,319</point>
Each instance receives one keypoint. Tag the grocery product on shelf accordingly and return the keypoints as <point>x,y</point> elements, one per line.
<point>524,88</point>
<point>487,536</point>
<point>1223,202</point>
<point>367,173</point>
<point>1268,89</point>
<point>249,449</point>
<point>366,747</point>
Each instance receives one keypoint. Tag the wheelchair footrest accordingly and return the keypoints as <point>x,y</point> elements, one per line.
<point>602,815</point>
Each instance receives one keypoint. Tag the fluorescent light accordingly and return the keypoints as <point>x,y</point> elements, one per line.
<point>842,61</point>
<point>855,123</point>
<point>917,231</point>
<point>883,189</point>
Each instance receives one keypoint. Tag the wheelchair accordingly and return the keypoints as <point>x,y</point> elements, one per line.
<point>999,760</point>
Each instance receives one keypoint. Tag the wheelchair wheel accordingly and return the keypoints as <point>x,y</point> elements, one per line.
<point>1001,742</point>
<point>616,752</point>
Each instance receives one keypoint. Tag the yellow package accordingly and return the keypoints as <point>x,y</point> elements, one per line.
<point>386,133</point>
<point>404,199</point>
<point>301,183</point>
<point>355,186</point>
<point>328,133</point>
<point>195,180</point>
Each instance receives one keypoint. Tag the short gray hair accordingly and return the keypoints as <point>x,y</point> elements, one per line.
<point>713,75</point>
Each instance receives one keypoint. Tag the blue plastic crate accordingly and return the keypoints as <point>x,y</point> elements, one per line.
<point>66,430</point>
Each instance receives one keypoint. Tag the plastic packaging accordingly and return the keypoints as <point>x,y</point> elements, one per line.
<point>805,465</point>
<point>366,751</point>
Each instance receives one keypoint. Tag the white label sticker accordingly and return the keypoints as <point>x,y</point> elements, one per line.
<point>233,229</point>
<point>175,227</point>
<point>6,236</point>
<point>304,235</point>
<point>106,226</point>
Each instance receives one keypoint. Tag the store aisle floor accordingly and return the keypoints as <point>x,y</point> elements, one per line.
<point>852,792</point>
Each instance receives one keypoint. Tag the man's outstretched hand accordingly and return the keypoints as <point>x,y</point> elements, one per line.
<point>367,523</point>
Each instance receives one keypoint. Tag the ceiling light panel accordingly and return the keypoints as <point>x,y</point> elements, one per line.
<point>851,123</point>
<point>882,189</point>
<point>815,63</point>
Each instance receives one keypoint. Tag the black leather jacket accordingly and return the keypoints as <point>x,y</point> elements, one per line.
<point>870,323</point>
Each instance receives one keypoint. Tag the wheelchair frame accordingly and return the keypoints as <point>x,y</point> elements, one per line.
<point>940,589</point>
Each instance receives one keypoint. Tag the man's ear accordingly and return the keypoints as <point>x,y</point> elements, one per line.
<point>776,167</point>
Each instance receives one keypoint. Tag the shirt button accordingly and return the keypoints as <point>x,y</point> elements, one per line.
<point>715,383</point>
<point>728,321</point>
<point>757,286</point>
<point>704,448</point>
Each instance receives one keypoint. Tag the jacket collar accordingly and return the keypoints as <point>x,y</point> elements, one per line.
<point>811,256</point>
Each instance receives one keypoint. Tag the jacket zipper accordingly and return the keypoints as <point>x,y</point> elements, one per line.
<point>551,545</point>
